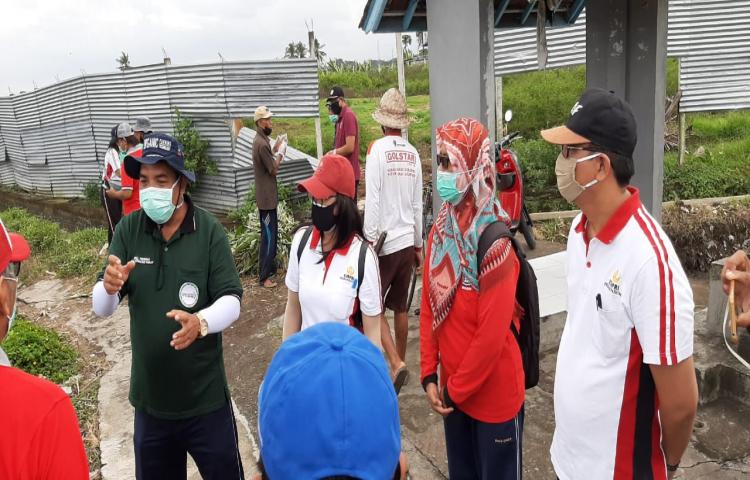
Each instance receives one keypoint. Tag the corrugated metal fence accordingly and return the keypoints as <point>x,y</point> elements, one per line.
<point>711,37</point>
<point>53,140</point>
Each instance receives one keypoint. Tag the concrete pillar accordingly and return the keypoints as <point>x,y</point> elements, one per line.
<point>462,80</point>
<point>626,52</point>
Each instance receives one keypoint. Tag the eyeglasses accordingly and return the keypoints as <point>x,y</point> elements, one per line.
<point>567,149</point>
<point>12,271</point>
<point>443,160</point>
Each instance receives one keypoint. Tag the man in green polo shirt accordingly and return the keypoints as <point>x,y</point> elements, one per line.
<point>173,262</point>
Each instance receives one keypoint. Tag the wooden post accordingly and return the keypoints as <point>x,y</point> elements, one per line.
<point>499,114</point>
<point>683,120</point>
<point>401,76</point>
<point>318,129</point>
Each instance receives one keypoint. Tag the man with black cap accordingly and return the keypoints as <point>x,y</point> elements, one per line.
<point>346,141</point>
<point>173,261</point>
<point>625,387</point>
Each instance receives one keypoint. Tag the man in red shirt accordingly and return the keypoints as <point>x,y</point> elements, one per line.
<point>347,131</point>
<point>40,439</point>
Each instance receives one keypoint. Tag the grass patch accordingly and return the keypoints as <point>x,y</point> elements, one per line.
<point>41,352</point>
<point>556,230</point>
<point>371,82</point>
<point>54,249</point>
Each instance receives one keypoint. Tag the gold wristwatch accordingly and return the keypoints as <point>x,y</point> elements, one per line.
<point>204,325</point>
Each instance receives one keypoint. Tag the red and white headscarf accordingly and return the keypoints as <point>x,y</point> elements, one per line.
<point>455,235</point>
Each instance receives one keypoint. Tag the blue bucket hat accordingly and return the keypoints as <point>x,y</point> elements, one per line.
<point>159,147</point>
<point>327,407</point>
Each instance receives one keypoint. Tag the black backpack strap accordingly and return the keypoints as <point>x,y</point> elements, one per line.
<point>303,242</point>
<point>491,233</point>
<point>358,320</point>
<point>361,264</point>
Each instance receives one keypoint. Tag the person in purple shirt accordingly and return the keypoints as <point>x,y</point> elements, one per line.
<point>346,141</point>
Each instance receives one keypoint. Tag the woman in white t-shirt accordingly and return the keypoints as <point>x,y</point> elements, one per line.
<point>111,181</point>
<point>323,276</point>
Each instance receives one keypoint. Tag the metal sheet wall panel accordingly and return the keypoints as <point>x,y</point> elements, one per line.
<point>56,137</point>
<point>706,29</point>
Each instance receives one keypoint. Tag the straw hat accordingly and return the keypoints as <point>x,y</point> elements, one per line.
<point>392,110</point>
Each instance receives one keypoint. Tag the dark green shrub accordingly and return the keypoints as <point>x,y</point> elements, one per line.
<point>39,351</point>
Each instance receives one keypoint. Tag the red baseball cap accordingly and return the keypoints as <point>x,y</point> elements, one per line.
<point>13,247</point>
<point>334,175</point>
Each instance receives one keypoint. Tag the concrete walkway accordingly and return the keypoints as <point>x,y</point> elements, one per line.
<point>112,335</point>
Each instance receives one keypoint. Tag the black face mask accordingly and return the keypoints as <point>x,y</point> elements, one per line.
<point>267,131</point>
<point>323,217</point>
<point>335,108</point>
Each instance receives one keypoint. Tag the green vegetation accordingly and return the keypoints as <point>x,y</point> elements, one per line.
<point>366,80</point>
<point>39,351</point>
<point>54,249</point>
<point>245,237</point>
<point>195,147</point>
<point>91,192</point>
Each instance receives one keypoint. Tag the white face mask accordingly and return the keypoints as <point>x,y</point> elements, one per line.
<point>565,170</point>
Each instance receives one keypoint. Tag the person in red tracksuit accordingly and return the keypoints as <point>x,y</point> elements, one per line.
<point>466,313</point>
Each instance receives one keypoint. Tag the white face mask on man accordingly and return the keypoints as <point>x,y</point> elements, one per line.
<point>565,170</point>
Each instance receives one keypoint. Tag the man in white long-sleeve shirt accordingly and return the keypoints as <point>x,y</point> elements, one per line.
<point>173,262</point>
<point>393,205</point>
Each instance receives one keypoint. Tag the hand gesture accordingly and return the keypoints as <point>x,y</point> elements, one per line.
<point>737,268</point>
<point>190,331</point>
<point>115,275</point>
<point>420,260</point>
<point>433,397</point>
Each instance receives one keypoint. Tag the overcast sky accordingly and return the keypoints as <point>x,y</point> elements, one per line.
<point>41,40</point>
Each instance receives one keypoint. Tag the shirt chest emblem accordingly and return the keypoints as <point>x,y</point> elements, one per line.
<point>348,277</point>
<point>613,284</point>
<point>189,294</point>
<point>143,260</point>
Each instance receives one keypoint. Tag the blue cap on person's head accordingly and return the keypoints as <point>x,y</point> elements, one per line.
<point>159,147</point>
<point>327,407</point>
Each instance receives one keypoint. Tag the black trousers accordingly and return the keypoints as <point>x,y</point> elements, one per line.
<point>483,451</point>
<point>161,446</point>
<point>269,234</point>
<point>113,212</point>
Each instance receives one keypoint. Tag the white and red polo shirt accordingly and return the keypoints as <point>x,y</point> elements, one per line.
<point>328,290</point>
<point>630,305</point>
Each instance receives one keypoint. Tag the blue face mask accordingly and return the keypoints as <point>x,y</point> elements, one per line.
<point>157,203</point>
<point>446,187</point>
<point>333,118</point>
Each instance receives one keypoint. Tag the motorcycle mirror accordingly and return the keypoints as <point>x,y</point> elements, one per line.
<point>508,115</point>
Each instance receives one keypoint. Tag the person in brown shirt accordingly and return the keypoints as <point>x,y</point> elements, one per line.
<point>266,162</point>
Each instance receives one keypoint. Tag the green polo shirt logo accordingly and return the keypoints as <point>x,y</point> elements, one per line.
<point>189,272</point>
<point>189,294</point>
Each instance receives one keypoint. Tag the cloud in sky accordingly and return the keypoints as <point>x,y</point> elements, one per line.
<point>48,39</point>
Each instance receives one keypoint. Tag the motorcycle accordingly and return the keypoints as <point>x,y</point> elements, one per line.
<point>510,186</point>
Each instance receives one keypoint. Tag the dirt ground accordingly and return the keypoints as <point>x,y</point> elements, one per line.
<point>251,343</point>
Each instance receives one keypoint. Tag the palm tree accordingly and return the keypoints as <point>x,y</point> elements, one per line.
<point>406,41</point>
<point>320,55</point>
<point>124,61</point>
<point>291,51</point>
<point>300,49</point>
<point>421,43</point>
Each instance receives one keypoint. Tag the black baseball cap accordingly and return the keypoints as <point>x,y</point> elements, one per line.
<point>599,117</point>
<point>158,147</point>
<point>336,92</point>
